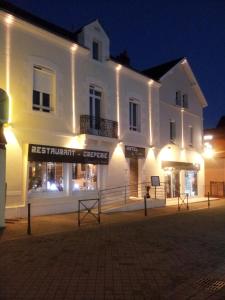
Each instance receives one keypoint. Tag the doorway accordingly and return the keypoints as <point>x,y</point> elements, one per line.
<point>133,177</point>
<point>172,181</point>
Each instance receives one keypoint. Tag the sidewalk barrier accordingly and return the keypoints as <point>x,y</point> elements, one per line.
<point>182,198</point>
<point>89,209</point>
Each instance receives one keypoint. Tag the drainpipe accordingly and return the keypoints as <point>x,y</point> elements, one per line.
<point>2,177</point>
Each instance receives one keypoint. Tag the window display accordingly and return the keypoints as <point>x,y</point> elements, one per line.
<point>191,184</point>
<point>45,176</point>
<point>84,177</point>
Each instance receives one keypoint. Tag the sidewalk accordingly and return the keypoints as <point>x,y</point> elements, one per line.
<point>166,255</point>
<point>44,225</point>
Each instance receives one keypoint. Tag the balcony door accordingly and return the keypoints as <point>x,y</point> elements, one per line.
<point>95,107</point>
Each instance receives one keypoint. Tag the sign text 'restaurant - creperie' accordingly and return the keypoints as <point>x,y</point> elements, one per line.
<point>67,155</point>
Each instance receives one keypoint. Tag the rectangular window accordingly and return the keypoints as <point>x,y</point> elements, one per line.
<point>45,176</point>
<point>42,89</point>
<point>190,135</point>
<point>172,131</point>
<point>95,96</point>
<point>84,177</point>
<point>178,98</point>
<point>134,116</point>
<point>185,101</point>
<point>95,50</point>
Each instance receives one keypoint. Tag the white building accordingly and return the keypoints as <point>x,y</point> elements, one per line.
<point>81,121</point>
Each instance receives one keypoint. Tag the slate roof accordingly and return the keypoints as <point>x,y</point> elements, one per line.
<point>34,20</point>
<point>157,72</point>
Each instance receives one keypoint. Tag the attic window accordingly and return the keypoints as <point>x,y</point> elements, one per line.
<point>96,50</point>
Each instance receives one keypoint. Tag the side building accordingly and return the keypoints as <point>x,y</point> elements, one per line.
<point>214,139</point>
<point>81,121</point>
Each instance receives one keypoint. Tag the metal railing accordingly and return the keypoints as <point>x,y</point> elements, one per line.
<point>122,195</point>
<point>98,126</point>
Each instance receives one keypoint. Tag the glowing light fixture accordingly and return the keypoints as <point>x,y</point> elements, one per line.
<point>118,68</point>
<point>9,19</point>
<point>150,82</point>
<point>73,48</point>
<point>208,150</point>
<point>208,137</point>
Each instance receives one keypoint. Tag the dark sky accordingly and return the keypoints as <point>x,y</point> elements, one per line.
<point>154,32</point>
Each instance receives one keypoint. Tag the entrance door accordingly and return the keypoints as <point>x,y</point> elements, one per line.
<point>133,177</point>
<point>172,181</point>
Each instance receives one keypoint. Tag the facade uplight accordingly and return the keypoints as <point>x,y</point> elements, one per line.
<point>9,19</point>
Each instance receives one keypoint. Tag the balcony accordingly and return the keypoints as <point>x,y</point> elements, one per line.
<point>98,126</point>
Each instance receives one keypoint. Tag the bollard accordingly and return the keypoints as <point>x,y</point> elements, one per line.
<point>187,202</point>
<point>28,219</point>
<point>208,201</point>
<point>145,204</point>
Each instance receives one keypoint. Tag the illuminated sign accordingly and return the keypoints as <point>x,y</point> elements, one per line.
<point>134,152</point>
<point>67,155</point>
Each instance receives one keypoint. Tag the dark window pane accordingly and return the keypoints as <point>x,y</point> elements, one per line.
<point>46,100</point>
<point>95,49</point>
<point>97,93</point>
<point>36,97</point>
<point>134,114</point>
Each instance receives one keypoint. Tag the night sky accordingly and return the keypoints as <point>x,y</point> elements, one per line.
<point>154,32</point>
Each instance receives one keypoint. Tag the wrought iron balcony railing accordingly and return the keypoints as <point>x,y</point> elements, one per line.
<point>98,126</point>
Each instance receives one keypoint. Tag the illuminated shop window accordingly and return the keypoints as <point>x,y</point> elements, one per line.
<point>45,176</point>
<point>191,183</point>
<point>84,177</point>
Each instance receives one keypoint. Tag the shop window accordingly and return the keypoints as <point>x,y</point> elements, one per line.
<point>172,131</point>
<point>191,183</point>
<point>134,115</point>
<point>45,176</point>
<point>42,89</point>
<point>178,98</point>
<point>84,177</point>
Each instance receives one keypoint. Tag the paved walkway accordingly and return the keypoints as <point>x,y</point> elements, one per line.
<point>166,255</point>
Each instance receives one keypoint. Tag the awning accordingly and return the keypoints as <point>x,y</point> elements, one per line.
<point>181,165</point>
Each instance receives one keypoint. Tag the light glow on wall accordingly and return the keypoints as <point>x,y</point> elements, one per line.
<point>73,50</point>
<point>10,136</point>
<point>77,142</point>
<point>182,128</point>
<point>118,68</point>
<point>208,137</point>
<point>8,63</point>
<point>150,113</point>
<point>118,150</point>
<point>9,19</point>
<point>208,150</point>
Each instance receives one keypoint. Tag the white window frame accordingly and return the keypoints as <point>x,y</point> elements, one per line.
<point>132,126</point>
<point>40,107</point>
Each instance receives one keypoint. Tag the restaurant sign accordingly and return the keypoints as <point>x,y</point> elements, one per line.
<point>134,152</point>
<point>67,155</point>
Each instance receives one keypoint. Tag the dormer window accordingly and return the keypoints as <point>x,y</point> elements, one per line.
<point>96,50</point>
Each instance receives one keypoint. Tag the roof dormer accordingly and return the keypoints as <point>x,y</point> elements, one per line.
<point>94,37</point>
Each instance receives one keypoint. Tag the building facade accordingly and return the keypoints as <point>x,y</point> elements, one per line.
<point>214,140</point>
<point>81,121</point>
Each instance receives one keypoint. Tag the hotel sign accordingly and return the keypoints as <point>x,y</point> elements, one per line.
<point>134,152</point>
<point>67,155</point>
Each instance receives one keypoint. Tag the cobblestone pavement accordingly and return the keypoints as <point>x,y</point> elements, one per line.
<point>167,255</point>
